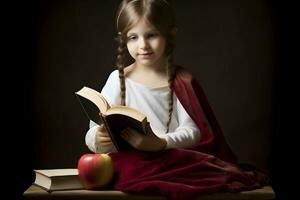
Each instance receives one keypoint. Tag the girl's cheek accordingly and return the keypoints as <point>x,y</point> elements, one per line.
<point>131,54</point>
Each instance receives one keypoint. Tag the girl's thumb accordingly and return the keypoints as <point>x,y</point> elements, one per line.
<point>102,127</point>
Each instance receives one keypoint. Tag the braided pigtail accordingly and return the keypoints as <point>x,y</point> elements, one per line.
<point>120,66</point>
<point>158,13</point>
<point>171,75</point>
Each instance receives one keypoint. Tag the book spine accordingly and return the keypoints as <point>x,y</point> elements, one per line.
<point>109,132</point>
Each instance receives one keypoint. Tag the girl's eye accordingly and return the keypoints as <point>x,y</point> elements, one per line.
<point>152,35</point>
<point>132,38</point>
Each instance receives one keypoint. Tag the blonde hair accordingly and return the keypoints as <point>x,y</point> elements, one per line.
<point>160,14</point>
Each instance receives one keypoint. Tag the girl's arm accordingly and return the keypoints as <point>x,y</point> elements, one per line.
<point>186,134</point>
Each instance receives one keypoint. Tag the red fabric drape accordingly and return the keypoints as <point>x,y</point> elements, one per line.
<point>192,97</point>
<point>178,174</point>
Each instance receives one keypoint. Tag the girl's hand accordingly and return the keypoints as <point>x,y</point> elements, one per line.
<point>148,142</point>
<point>102,137</point>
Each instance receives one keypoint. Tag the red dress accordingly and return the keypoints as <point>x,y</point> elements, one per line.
<point>205,168</point>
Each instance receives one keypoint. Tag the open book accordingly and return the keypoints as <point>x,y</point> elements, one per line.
<point>115,118</point>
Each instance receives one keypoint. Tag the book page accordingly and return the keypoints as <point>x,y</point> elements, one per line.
<point>95,97</point>
<point>124,110</point>
<point>58,172</point>
<point>93,103</point>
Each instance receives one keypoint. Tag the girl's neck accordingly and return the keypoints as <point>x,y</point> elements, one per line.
<point>153,76</point>
<point>159,67</point>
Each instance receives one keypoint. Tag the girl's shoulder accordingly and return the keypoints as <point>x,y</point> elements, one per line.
<point>113,74</point>
<point>112,78</point>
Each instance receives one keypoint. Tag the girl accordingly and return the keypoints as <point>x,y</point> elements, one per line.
<point>147,83</point>
<point>184,154</point>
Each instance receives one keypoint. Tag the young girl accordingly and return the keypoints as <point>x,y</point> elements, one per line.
<point>147,83</point>
<point>184,153</point>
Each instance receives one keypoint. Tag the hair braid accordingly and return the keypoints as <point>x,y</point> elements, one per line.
<point>171,71</point>
<point>158,13</point>
<point>120,66</point>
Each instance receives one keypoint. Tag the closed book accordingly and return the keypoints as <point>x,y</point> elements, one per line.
<point>58,179</point>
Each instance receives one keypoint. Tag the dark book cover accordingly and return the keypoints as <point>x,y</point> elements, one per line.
<point>115,123</point>
<point>90,109</point>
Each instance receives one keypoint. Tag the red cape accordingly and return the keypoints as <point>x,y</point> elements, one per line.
<point>178,174</point>
<point>192,97</point>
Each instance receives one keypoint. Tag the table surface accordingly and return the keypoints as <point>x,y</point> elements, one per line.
<point>35,192</point>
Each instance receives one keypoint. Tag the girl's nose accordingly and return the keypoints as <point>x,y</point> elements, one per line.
<point>143,43</point>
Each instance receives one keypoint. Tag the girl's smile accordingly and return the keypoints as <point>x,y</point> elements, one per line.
<point>146,55</point>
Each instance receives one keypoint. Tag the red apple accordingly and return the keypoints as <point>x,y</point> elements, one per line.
<point>95,170</point>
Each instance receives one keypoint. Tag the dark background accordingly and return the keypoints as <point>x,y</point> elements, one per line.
<point>240,51</point>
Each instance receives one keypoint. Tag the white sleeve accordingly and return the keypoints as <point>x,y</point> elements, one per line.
<point>90,136</point>
<point>90,140</point>
<point>186,134</point>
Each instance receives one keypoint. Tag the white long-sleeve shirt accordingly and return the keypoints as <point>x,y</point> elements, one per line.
<point>153,102</point>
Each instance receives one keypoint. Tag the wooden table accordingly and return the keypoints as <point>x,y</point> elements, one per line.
<point>36,193</point>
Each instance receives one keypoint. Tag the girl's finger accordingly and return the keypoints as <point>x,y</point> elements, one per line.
<point>102,127</point>
<point>125,132</point>
<point>105,144</point>
<point>103,134</point>
<point>133,132</point>
<point>125,135</point>
<point>104,139</point>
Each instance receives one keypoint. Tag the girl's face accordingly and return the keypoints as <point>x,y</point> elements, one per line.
<point>145,44</point>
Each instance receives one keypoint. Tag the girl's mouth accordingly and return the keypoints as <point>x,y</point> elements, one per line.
<point>146,55</point>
